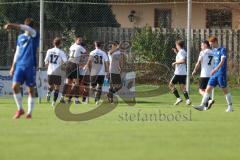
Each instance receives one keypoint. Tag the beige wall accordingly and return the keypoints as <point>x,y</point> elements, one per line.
<point>145,14</point>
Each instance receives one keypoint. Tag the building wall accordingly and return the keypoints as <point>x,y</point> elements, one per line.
<point>145,14</point>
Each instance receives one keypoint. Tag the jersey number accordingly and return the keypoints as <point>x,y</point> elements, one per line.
<point>53,58</point>
<point>98,59</point>
<point>210,60</point>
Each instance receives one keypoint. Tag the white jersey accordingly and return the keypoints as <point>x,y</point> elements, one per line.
<point>98,58</point>
<point>54,59</point>
<point>114,60</point>
<point>83,62</point>
<point>207,62</point>
<point>181,69</point>
<point>76,51</point>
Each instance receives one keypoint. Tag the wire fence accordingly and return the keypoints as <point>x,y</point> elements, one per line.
<point>147,29</point>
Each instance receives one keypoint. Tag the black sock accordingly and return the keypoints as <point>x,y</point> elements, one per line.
<point>175,92</point>
<point>49,91</point>
<point>185,93</point>
<point>55,96</point>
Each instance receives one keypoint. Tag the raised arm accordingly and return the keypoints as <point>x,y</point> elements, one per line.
<point>23,27</point>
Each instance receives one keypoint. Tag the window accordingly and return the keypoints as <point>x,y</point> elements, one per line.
<point>219,18</point>
<point>162,18</point>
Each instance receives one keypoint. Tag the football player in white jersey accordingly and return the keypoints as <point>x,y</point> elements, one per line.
<point>115,69</point>
<point>72,69</point>
<point>180,73</point>
<point>55,57</point>
<point>85,78</point>
<point>206,62</point>
<point>98,64</point>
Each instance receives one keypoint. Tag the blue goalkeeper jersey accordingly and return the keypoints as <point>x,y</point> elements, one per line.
<point>27,50</point>
<point>218,54</point>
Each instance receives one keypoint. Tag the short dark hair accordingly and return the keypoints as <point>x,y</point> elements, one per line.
<point>181,43</point>
<point>115,43</point>
<point>29,22</point>
<point>78,36</point>
<point>98,43</point>
<point>57,41</point>
<point>206,42</point>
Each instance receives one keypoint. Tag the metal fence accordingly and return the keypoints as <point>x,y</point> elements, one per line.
<point>107,20</point>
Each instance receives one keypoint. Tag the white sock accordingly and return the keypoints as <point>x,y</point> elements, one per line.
<point>18,100</point>
<point>30,104</point>
<point>229,99</point>
<point>76,99</point>
<point>205,99</point>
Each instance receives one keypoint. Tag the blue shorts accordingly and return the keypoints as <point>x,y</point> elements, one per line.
<point>220,80</point>
<point>25,74</point>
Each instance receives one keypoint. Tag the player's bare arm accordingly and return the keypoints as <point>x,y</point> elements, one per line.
<point>219,66</point>
<point>9,26</point>
<point>174,50</point>
<point>106,65</point>
<point>197,67</point>
<point>23,27</point>
<point>88,65</point>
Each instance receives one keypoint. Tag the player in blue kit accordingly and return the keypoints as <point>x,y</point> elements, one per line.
<point>24,65</point>
<point>218,77</point>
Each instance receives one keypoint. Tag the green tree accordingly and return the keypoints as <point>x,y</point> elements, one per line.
<point>154,45</point>
<point>60,14</point>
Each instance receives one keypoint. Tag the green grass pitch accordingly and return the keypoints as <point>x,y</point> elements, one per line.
<point>209,135</point>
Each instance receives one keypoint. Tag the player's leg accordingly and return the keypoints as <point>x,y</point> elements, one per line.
<point>174,90</point>
<point>50,87</point>
<point>222,80</point>
<point>30,102</point>
<point>185,93</point>
<point>76,92</point>
<point>55,94</point>
<point>205,103</point>
<point>228,97</point>
<point>17,81</point>
<point>71,92</point>
<point>67,88</point>
<point>93,81</point>
<point>57,84</point>
<point>182,83</point>
<point>18,100</point>
<point>111,89</point>
<point>76,89</point>
<point>74,82</point>
<point>201,91</point>
<point>115,85</point>
<point>202,86</point>
<point>117,82</point>
<point>64,89</point>
<point>86,85</point>
<point>100,81</point>
<point>30,76</point>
